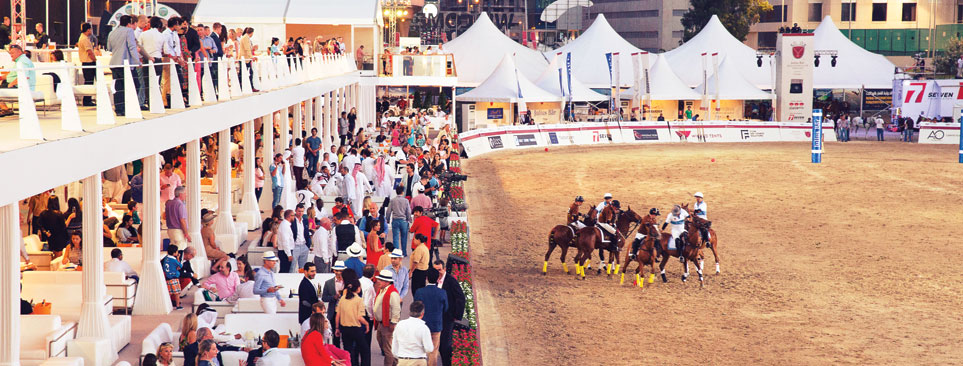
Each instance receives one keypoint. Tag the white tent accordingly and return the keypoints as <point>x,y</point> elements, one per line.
<point>480,48</point>
<point>334,12</point>
<point>855,66</point>
<point>733,85</point>
<point>549,81</point>
<point>664,84</point>
<point>265,16</point>
<point>588,54</point>
<point>686,59</point>
<point>505,84</point>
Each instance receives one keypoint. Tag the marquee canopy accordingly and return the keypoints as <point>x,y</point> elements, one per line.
<point>855,66</point>
<point>732,85</point>
<point>549,81</point>
<point>588,54</point>
<point>334,12</point>
<point>664,84</point>
<point>686,59</point>
<point>507,84</point>
<point>479,49</point>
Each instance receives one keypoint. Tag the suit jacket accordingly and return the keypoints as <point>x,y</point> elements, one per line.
<point>308,295</point>
<point>456,299</point>
<point>190,353</point>
<point>330,295</point>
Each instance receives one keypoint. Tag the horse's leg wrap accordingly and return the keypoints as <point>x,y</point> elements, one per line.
<point>622,279</point>
<point>545,267</point>
<point>565,267</point>
<point>651,277</point>
<point>616,268</point>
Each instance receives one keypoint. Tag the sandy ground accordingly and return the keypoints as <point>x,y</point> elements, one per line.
<point>853,261</point>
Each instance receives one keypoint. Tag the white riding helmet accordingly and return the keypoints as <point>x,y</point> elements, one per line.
<point>698,194</point>
<point>607,196</point>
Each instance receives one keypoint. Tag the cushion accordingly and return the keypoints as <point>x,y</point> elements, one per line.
<point>34,330</point>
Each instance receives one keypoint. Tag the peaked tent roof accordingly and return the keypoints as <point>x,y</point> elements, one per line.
<point>580,93</point>
<point>733,85</point>
<point>686,59</point>
<point>504,85</point>
<point>588,54</point>
<point>664,84</point>
<point>855,66</point>
<point>356,12</point>
<point>240,11</point>
<point>479,49</point>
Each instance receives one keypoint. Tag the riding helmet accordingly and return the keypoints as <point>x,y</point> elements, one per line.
<point>654,211</point>
<point>616,204</point>
<point>579,199</point>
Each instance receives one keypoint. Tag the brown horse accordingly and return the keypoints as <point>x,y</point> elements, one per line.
<point>713,243</point>
<point>646,254</point>
<point>691,250</point>
<point>590,238</point>
<point>564,236</point>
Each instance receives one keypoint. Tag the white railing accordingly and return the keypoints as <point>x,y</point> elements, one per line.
<point>265,73</point>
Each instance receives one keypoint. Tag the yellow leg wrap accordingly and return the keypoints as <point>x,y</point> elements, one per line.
<point>565,267</point>
<point>636,278</point>
<point>617,268</point>
<point>608,269</point>
<point>652,278</point>
<point>642,282</point>
<point>578,269</point>
<point>622,279</point>
<point>545,267</point>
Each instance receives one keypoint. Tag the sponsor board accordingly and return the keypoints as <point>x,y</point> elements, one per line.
<point>553,138</point>
<point>601,136</point>
<point>496,113</point>
<point>495,142</point>
<point>646,134</point>
<point>525,140</point>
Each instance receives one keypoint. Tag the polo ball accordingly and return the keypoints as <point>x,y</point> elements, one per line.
<point>713,160</point>
<point>546,149</point>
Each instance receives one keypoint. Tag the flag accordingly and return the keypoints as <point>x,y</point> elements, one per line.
<point>568,72</point>
<point>616,86</point>
<point>521,98</point>
<point>715,75</point>
<point>636,80</point>
<point>645,74</point>
<point>705,81</point>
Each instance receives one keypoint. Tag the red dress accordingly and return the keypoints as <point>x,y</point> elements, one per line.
<point>374,249</point>
<point>313,350</point>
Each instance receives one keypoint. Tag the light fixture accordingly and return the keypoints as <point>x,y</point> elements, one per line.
<point>816,61</point>
<point>759,61</point>
<point>387,13</point>
<point>832,62</point>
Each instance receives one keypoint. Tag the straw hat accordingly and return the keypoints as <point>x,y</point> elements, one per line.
<point>269,256</point>
<point>386,275</point>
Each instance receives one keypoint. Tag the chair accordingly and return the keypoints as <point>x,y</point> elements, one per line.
<point>163,333</point>
<point>44,336</point>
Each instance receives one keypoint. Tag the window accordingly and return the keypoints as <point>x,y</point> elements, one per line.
<point>959,13</point>
<point>909,12</point>
<point>849,12</point>
<point>815,12</point>
<point>879,12</point>
<point>776,15</point>
<point>679,12</point>
<point>766,40</point>
<point>676,34</point>
<point>645,34</point>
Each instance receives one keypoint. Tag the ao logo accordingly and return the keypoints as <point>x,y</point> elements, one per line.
<point>936,135</point>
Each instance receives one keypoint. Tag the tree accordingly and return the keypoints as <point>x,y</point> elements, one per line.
<point>945,62</point>
<point>736,15</point>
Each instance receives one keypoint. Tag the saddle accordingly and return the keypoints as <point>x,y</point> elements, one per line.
<point>610,239</point>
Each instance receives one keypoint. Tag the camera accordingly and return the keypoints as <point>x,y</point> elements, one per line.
<point>452,177</point>
<point>437,212</point>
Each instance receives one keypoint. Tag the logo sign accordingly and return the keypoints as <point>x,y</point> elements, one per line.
<point>749,134</point>
<point>798,51</point>
<point>495,142</point>
<point>496,113</point>
<point>553,138</point>
<point>817,134</point>
<point>936,135</point>
<point>646,135</point>
<point>525,140</point>
<point>599,137</point>
<point>683,134</point>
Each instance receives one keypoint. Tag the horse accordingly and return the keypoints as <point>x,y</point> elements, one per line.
<point>713,243</point>
<point>564,236</point>
<point>645,255</point>
<point>692,250</point>
<point>590,238</point>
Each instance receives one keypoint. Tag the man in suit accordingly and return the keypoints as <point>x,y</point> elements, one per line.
<point>330,294</point>
<point>123,47</point>
<point>191,351</point>
<point>408,180</point>
<point>456,309</point>
<point>307,293</point>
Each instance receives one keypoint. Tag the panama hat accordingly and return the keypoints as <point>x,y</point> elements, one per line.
<point>386,275</point>
<point>397,253</point>
<point>607,195</point>
<point>698,194</point>
<point>338,266</point>
<point>355,250</point>
<point>269,256</point>
<point>208,217</point>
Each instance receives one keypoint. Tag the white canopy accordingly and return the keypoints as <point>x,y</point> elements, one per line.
<point>549,81</point>
<point>588,54</point>
<point>240,11</point>
<point>855,66</point>
<point>664,84</point>
<point>478,50</point>
<point>686,59</point>
<point>334,12</point>
<point>504,85</point>
<point>733,85</point>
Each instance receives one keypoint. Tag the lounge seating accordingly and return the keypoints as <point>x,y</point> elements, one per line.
<point>232,357</point>
<point>122,289</point>
<point>35,251</point>
<point>223,307</point>
<point>163,333</point>
<point>259,323</point>
<point>65,302</point>
<point>134,256</point>
<point>252,305</point>
<point>43,92</point>
<point>44,336</point>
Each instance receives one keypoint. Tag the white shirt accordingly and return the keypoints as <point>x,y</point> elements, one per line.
<point>117,265</point>
<point>245,290</point>
<point>172,43</point>
<point>152,41</point>
<point>368,294</point>
<point>412,339</point>
<point>349,187</point>
<point>349,161</point>
<point>306,197</point>
<point>274,357</point>
<point>367,167</point>
<point>298,225</point>
<point>323,244</point>
<point>879,122</point>
<point>285,237</point>
<point>298,153</point>
<point>701,206</point>
<point>600,207</point>
<point>677,222</point>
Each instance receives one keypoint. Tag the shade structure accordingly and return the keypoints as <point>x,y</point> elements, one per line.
<point>558,8</point>
<point>479,49</point>
<point>588,54</point>
<point>732,85</point>
<point>855,66</point>
<point>664,84</point>
<point>265,16</point>
<point>549,81</point>
<point>507,84</point>
<point>686,59</point>
<point>334,12</point>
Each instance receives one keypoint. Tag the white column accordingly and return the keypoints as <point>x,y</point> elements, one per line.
<point>309,115</point>
<point>250,212</point>
<point>200,263</point>
<point>325,125</point>
<point>356,93</point>
<point>152,297</point>
<point>93,320</point>
<point>298,124</point>
<point>333,117</point>
<point>267,158</point>
<point>10,285</point>
<point>224,223</point>
<point>285,128</point>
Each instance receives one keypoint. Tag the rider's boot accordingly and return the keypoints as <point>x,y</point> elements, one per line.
<point>681,246</point>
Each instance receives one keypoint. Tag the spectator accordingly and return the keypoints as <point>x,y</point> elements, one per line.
<point>436,304</point>
<point>258,178</point>
<point>411,340</point>
<point>422,224</point>
<point>313,350</point>
<point>74,251</point>
<point>208,352</point>
<point>126,233</point>
<point>277,179</point>
<point>368,295</point>
<point>172,274</point>
<point>12,80</point>
<point>53,226</point>
<point>419,262</point>
<point>149,360</point>
<point>385,260</point>
<point>285,241</point>
<point>123,47</point>
<point>211,246</point>
<point>456,310</point>
<point>318,308</point>
<point>323,246</point>
<point>387,312</point>
<point>331,293</point>
<point>375,249</point>
<point>354,261</point>
<point>187,275</point>
<point>399,214</point>
<point>165,354</point>
<point>307,293</point>
<point>346,234</point>
<point>189,331</point>
<point>271,355</point>
<point>117,264</point>
<point>351,324</point>
<point>88,59</point>
<point>224,283</point>
<point>300,229</point>
<point>265,286</point>
<point>194,353</point>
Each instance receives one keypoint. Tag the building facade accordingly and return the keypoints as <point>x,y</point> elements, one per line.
<point>888,27</point>
<point>652,25</point>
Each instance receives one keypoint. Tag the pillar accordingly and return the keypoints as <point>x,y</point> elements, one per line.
<point>267,158</point>
<point>333,114</point>
<point>224,223</point>
<point>250,212</point>
<point>200,264</point>
<point>93,320</point>
<point>10,285</point>
<point>309,115</point>
<point>152,296</point>
<point>285,129</point>
<point>298,124</point>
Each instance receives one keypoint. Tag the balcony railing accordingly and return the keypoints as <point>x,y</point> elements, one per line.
<point>442,65</point>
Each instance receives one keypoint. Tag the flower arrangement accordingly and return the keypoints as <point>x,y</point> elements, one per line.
<point>465,348</point>
<point>459,236</point>
<point>457,193</point>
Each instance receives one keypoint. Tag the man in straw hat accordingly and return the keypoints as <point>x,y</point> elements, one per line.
<point>331,292</point>
<point>354,261</point>
<point>402,279</point>
<point>266,287</point>
<point>387,312</point>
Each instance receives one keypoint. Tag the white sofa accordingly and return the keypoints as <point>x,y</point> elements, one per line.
<point>35,251</point>
<point>223,307</point>
<point>65,361</point>
<point>66,302</point>
<point>163,333</point>
<point>252,305</point>
<point>232,357</point>
<point>134,256</point>
<point>44,336</point>
<point>122,289</point>
<point>43,92</point>
<point>259,323</point>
